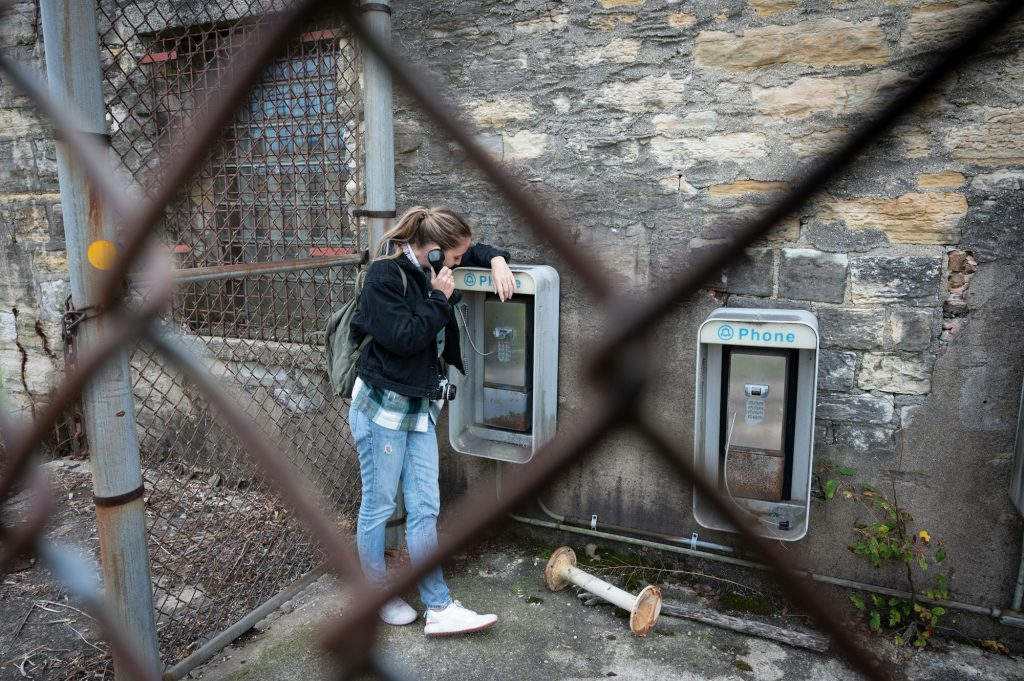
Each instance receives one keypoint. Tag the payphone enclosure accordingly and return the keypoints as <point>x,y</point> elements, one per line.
<point>506,404</point>
<point>754,422</point>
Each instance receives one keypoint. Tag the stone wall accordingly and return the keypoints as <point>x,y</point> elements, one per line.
<point>654,127</point>
<point>33,261</point>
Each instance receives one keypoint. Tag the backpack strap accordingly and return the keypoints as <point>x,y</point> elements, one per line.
<point>359,291</point>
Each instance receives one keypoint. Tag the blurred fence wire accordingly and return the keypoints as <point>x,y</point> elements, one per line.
<point>235,417</point>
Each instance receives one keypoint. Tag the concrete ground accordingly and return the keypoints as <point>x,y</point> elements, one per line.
<point>553,635</point>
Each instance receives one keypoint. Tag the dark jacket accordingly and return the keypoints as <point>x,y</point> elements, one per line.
<point>403,354</point>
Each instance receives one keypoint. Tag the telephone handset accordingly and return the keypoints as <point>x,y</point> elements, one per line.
<point>436,259</point>
<point>435,256</point>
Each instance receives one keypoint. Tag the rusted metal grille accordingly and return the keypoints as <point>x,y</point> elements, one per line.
<point>619,366</point>
<point>273,192</point>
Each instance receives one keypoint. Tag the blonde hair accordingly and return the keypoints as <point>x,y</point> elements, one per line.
<point>420,225</point>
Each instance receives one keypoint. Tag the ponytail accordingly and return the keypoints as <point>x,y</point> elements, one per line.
<point>419,225</point>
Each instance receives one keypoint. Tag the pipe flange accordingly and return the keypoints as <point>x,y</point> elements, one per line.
<point>645,611</point>
<point>554,574</point>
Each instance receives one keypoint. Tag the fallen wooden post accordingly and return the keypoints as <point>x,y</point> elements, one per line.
<point>716,619</point>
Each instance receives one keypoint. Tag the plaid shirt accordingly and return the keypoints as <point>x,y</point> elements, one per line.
<point>389,409</point>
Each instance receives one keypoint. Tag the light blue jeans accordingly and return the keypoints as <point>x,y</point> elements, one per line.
<point>387,457</point>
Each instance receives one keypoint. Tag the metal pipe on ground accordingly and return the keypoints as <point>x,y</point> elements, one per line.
<point>643,608</point>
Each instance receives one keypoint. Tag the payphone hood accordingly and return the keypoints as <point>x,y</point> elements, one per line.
<point>404,325</point>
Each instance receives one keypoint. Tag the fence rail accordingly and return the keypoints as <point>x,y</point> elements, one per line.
<point>223,443</point>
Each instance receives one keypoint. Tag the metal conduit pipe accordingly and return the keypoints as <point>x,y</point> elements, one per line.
<point>1018,593</point>
<point>1005,617</point>
<point>692,541</point>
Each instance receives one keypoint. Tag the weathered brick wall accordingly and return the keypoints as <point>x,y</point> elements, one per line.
<point>654,126</point>
<point>33,262</point>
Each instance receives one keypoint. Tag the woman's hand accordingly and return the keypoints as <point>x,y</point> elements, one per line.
<point>504,280</point>
<point>443,281</point>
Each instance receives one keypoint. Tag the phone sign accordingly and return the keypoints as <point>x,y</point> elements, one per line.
<point>481,280</point>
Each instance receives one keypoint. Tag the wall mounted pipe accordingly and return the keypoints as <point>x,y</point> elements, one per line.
<point>1013,619</point>
<point>643,608</point>
<point>692,541</point>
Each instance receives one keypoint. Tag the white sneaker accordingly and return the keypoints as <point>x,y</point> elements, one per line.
<point>397,612</point>
<point>456,619</point>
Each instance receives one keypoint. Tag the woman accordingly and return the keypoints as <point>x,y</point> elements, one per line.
<point>394,406</point>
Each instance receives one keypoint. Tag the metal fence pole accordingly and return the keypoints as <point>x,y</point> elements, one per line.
<point>380,169</point>
<point>379,121</point>
<point>73,69</point>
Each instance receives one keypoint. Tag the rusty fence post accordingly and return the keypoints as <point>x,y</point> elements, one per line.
<point>379,150</point>
<point>73,70</point>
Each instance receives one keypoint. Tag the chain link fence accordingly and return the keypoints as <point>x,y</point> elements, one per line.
<point>275,191</point>
<point>227,516</point>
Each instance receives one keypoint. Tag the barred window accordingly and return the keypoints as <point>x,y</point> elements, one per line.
<point>277,185</point>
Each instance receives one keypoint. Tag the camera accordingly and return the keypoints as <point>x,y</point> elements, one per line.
<point>445,390</point>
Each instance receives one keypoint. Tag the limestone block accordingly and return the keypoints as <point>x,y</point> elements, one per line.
<point>994,142</point>
<point>768,7</point>
<point>17,166</point>
<point>879,280</point>
<point>816,142</point>
<point>851,328</point>
<point>30,223</point>
<point>17,123</point>
<point>750,274</point>
<point>650,93</point>
<point>618,51</point>
<point>823,42</point>
<point>947,179</point>
<point>839,96</point>
<point>8,329</point>
<point>1000,179</point>
<point>909,329</point>
<point>52,295</point>
<point>907,219</point>
<point>545,24</point>
<point>524,145</point>
<point>856,408</point>
<point>672,125</point>
<point>935,25</point>
<point>612,4</point>
<point>39,375</point>
<point>50,263</point>
<point>497,113</point>
<point>836,238</point>
<point>743,187</point>
<point>916,142</point>
<point>904,375</point>
<point>681,19</point>
<point>19,26</point>
<point>737,147</point>
<point>807,274</point>
<point>908,414</point>
<point>864,438</point>
<point>836,370</point>
<point>724,225</point>
<point>608,22</point>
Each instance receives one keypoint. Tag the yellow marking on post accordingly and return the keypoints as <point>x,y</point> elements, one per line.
<point>101,254</point>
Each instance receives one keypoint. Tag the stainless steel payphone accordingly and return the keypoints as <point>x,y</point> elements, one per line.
<point>754,422</point>
<point>506,403</point>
